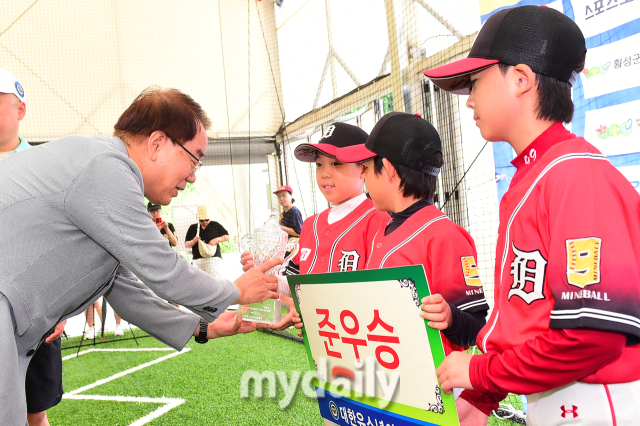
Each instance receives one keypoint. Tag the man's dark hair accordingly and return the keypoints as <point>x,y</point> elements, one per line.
<point>167,110</point>
<point>554,96</point>
<point>413,183</point>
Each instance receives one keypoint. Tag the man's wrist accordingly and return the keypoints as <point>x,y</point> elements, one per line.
<point>240,294</point>
<point>203,332</point>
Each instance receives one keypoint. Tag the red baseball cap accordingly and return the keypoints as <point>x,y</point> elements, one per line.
<point>337,135</point>
<point>548,41</point>
<point>355,154</point>
<point>284,188</point>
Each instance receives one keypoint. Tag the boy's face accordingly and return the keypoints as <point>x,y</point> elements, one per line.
<point>339,182</point>
<point>492,103</point>
<point>377,186</point>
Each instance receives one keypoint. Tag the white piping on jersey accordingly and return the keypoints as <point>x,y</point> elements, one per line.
<point>373,242</point>
<point>315,234</point>
<point>333,247</point>
<point>472,304</point>
<point>411,237</point>
<point>484,341</point>
<point>595,313</point>
<point>558,160</point>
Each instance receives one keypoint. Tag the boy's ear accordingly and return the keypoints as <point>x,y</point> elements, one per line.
<point>389,169</point>
<point>525,79</point>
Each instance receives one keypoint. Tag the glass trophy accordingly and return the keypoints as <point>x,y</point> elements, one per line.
<point>267,242</point>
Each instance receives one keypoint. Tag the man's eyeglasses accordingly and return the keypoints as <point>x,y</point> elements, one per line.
<point>198,162</point>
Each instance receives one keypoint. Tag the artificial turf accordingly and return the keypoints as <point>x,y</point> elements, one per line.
<point>207,377</point>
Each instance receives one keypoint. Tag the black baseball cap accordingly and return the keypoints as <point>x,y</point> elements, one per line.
<point>152,206</point>
<point>541,37</point>
<point>404,139</point>
<point>337,135</point>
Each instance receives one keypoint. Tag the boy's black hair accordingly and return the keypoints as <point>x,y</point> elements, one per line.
<point>554,96</point>
<point>413,183</point>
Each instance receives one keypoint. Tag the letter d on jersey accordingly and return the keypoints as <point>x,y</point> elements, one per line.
<point>349,261</point>
<point>528,270</point>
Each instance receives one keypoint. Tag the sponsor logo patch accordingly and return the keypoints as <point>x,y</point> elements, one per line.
<point>19,89</point>
<point>566,411</point>
<point>470,271</point>
<point>583,261</point>
<point>304,253</point>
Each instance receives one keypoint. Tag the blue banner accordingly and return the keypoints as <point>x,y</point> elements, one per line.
<point>346,412</point>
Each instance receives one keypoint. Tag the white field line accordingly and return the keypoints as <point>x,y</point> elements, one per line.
<point>169,402</point>
<point>118,350</point>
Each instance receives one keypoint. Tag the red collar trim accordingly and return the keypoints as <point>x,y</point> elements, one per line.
<point>540,145</point>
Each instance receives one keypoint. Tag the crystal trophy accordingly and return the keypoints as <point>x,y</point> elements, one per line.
<point>267,242</point>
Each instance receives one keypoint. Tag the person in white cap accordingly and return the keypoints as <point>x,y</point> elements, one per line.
<point>43,385</point>
<point>207,257</point>
<point>12,111</point>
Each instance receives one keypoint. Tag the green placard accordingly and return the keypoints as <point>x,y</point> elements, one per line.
<point>351,305</point>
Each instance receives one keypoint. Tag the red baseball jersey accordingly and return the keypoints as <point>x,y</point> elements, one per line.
<point>568,253</point>
<point>340,246</point>
<point>446,251</point>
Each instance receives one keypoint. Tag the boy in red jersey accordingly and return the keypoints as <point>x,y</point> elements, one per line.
<point>565,326</point>
<point>339,238</point>
<point>402,158</point>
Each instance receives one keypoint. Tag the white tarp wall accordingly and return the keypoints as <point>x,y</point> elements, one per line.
<point>82,62</point>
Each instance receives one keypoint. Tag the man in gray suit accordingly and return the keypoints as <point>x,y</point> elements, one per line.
<point>80,230</point>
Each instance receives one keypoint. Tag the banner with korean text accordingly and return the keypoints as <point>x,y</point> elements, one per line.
<point>374,356</point>
<point>607,93</point>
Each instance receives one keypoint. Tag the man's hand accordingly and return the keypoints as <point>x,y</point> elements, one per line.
<point>437,311</point>
<point>454,372</point>
<point>57,332</point>
<point>230,323</point>
<point>195,239</point>
<point>470,415</point>
<point>256,286</point>
<point>246,259</point>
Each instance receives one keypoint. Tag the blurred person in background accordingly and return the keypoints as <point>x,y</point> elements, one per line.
<point>291,218</point>
<point>166,229</point>
<point>210,233</point>
<point>90,315</point>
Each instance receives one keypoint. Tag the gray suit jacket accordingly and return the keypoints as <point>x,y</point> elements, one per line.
<point>73,227</point>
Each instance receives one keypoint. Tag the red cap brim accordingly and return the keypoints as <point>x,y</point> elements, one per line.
<point>354,154</point>
<point>306,151</point>
<point>455,77</point>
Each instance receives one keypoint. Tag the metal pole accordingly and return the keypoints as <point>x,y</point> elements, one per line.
<point>394,57</point>
<point>334,82</point>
